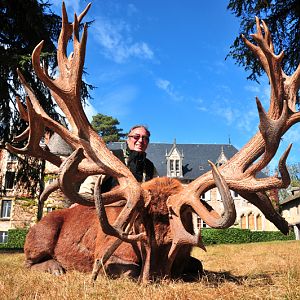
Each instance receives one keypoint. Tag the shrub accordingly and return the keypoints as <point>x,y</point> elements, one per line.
<point>16,239</point>
<point>238,236</point>
<point>264,236</point>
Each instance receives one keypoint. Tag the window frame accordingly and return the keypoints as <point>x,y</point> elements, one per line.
<point>9,182</point>
<point>3,237</point>
<point>6,207</point>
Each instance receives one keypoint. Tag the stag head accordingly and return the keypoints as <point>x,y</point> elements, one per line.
<point>91,156</point>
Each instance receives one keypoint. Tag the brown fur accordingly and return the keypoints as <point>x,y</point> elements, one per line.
<point>71,239</point>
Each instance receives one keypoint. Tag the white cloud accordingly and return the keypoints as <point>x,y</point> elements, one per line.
<point>292,136</point>
<point>262,91</point>
<point>166,86</point>
<point>253,89</point>
<point>117,43</point>
<point>243,118</point>
<point>200,105</point>
<point>227,113</point>
<point>248,121</point>
<point>163,84</point>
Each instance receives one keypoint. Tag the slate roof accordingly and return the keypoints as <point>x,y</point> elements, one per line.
<point>195,160</point>
<point>58,146</point>
<point>196,156</point>
<point>294,197</point>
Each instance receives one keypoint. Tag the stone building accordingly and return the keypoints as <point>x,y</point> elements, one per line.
<point>18,207</point>
<point>291,210</point>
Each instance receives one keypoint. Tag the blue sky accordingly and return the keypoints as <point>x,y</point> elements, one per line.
<point>162,63</point>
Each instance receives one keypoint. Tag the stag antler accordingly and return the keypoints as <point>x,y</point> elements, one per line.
<point>91,156</point>
<point>240,171</point>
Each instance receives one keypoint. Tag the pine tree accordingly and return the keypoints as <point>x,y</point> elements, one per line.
<point>24,24</point>
<point>106,126</point>
<point>283,20</point>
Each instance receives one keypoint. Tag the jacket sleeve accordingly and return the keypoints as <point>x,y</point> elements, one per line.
<point>88,186</point>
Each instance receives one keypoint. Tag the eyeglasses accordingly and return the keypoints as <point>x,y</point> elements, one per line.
<point>136,137</point>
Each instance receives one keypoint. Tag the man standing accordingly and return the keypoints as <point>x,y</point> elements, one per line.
<point>134,157</point>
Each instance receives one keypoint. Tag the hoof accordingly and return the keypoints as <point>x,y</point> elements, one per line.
<point>50,266</point>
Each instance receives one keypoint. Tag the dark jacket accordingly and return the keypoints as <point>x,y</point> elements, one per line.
<point>140,166</point>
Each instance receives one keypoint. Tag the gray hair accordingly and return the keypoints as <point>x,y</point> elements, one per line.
<point>140,126</point>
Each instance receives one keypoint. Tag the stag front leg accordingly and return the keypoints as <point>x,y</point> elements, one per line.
<point>115,257</point>
<point>51,266</point>
<point>40,244</point>
<point>101,257</point>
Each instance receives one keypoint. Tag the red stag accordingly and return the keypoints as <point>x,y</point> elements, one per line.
<point>144,229</point>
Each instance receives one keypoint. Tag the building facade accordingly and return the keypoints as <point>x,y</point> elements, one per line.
<point>290,208</point>
<point>18,207</point>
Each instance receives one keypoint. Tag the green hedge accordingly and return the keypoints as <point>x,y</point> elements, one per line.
<point>16,239</point>
<point>238,236</point>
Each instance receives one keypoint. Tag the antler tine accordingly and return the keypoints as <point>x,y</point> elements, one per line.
<point>22,109</point>
<point>24,116</point>
<point>292,84</point>
<point>53,186</point>
<point>33,147</point>
<point>191,198</point>
<point>106,227</point>
<point>66,88</point>
<point>271,131</point>
<point>87,167</point>
<point>22,136</point>
<point>180,236</point>
<point>69,169</point>
<point>44,118</point>
<point>85,11</point>
<point>271,64</point>
<point>265,49</point>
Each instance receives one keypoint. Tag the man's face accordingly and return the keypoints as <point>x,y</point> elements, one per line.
<point>138,139</point>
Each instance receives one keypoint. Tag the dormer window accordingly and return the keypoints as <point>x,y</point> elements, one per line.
<point>174,162</point>
<point>175,168</point>
<point>222,159</point>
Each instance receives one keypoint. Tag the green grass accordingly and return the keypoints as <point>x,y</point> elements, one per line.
<point>247,271</point>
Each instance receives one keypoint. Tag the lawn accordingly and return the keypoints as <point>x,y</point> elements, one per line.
<point>247,271</point>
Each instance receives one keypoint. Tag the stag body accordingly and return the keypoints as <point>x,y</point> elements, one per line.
<point>72,238</point>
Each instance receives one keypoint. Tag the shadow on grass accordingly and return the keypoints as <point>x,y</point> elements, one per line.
<point>214,279</point>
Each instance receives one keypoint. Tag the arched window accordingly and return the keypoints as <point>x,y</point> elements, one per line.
<point>243,222</point>
<point>258,222</point>
<point>251,221</point>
